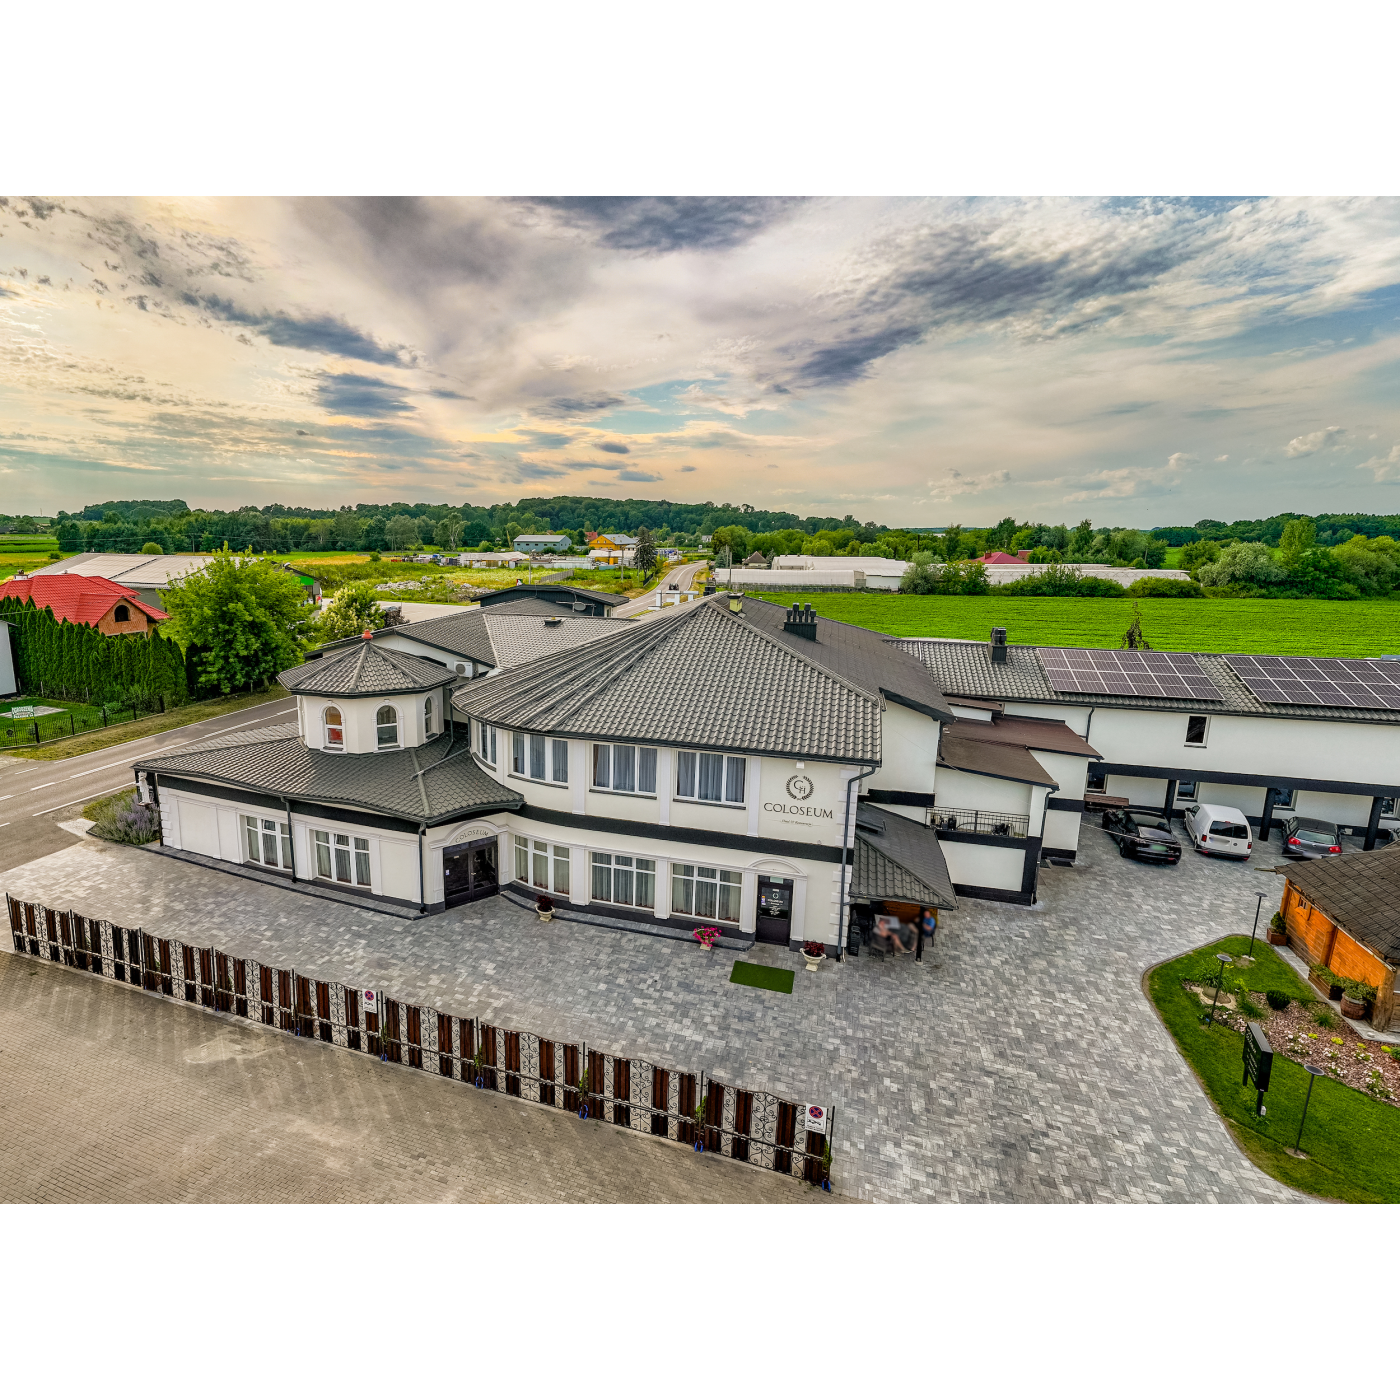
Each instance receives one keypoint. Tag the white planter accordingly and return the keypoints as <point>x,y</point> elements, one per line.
<point>814,963</point>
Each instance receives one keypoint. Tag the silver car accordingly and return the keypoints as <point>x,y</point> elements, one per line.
<point>1310,838</point>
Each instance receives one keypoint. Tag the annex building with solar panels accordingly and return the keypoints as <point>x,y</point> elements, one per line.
<point>1272,736</point>
<point>730,763</point>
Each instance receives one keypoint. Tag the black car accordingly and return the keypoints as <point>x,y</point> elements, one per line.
<point>1141,841</point>
<point>1310,838</point>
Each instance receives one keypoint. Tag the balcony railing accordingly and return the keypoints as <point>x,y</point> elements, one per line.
<point>982,823</point>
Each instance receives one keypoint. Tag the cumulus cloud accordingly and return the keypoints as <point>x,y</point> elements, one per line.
<point>955,483</point>
<point>620,448</point>
<point>1385,468</point>
<point>1178,460</point>
<point>638,476</point>
<point>1309,443</point>
<point>1112,485</point>
<point>668,224</point>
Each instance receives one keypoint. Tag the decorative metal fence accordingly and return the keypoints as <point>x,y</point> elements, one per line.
<point>749,1125</point>
<point>985,823</point>
<point>21,729</point>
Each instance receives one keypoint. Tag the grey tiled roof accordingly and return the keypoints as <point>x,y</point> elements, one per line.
<point>1360,892</point>
<point>364,669</point>
<point>505,597</point>
<point>520,637</point>
<point>701,677</point>
<point>411,783</point>
<point>901,860</point>
<point>963,668</point>
<point>868,659</point>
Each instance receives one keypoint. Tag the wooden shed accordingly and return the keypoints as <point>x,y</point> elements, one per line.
<point>1344,912</point>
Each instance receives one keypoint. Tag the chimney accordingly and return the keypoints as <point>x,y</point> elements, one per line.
<point>801,623</point>
<point>996,652</point>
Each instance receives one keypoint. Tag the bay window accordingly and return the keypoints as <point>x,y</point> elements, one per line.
<point>710,777</point>
<point>706,892</point>
<point>341,858</point>
<point>268,842</point>
<point>624,880</point>
<point>624,768</point>
<point>486,743</point>
<point>537,861</point>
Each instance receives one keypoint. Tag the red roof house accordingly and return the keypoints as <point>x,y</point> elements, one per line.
<point>999,556</point>
<point>110,607</point>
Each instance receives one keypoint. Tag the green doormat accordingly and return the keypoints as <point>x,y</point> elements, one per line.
<point>771,979</point>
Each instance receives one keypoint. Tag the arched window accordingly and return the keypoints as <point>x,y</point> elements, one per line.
<point>122,613</point>
<point>428,715</point>
<point>387,724</point>
<point>335,733</point>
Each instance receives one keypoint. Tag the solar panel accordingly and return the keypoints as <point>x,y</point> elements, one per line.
<point>1172,675</point>
<point>1320,680</point>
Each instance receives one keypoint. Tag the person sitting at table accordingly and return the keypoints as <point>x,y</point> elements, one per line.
<point>887,931</point>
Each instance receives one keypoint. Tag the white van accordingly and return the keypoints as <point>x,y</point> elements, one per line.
<point>1218,831</point>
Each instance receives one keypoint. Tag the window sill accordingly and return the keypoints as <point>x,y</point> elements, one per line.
<point>617,792</point>
<point>541,782</point>
<point>718,806</point>
<point>340,884</point>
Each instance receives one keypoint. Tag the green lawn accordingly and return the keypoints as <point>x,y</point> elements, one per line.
<point>1352,1140</point>
<point>1290,628</point>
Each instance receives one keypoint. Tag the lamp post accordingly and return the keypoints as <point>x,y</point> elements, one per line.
<point>1257,908</point>
<point>1313,1073</point>
<point>1225,961</point>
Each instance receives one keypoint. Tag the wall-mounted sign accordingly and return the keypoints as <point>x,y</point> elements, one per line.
<point>816,1119</point>
<point>800,787</point>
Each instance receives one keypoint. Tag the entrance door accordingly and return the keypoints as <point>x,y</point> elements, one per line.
<point>469,871</point>
<point>774,910</point>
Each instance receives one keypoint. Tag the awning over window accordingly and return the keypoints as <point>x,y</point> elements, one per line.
<point>899,859</point>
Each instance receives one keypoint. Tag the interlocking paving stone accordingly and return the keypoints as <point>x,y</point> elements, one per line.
<point>1020,1062</point>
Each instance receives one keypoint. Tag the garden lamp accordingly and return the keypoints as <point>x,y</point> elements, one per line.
<point>1225,961</point>
<point>1257,908</point>
<point>1313,1073</point>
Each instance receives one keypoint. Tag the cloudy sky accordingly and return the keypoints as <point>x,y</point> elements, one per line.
<point>1136,361</point>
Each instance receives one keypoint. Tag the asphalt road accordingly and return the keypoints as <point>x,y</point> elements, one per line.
<point>683,576</point>
<point>36,795</point>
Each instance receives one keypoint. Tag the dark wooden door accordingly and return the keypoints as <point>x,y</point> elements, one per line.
<point>774,911</point>
<point>469,871</point>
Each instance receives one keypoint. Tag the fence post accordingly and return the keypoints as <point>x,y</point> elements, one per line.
<point>72,729</point>
<point>36,732</point>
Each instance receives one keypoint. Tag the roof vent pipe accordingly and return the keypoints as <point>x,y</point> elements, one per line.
<point>996,651</point>
<point>802,622</point>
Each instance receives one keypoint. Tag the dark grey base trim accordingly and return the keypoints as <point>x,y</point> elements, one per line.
<point>893,797</point>
<point>378,904</point>
<point>615,826</point>
<point>1030,869</point>
<point>1064,804</point>
<point>1059,852</point>
<point>583,914</point>
<point>999,896</point>
<point>1263,780</point>
<point>354,815</point>
<point>982,838</point>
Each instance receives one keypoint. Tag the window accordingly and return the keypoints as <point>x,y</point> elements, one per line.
<point>1186,792</point>
<point>1196,731</point>
<point>122,613</point>
<point>533,860</point>
<point>1387,806</point>
<point>386,726</point>
<point>486,743</point>
<point>335,734</point>
<point>537,757</point>
<point>268,842</point>
<point>517,754</point>
<point>1283,798</point>
<point>1095,782</point>
<point>624,768</point>
<point>428,715</point>
<point>341,858</point>
<point>706,892</point>
<point>710,777</point>
<point>624,880</point>
<point>560,756</point>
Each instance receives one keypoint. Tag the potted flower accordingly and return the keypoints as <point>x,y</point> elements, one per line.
<point>1278,932</point>
<point>1356,997</point>
<point>707,938</point>
<point>544,908</point>
<point>1326,981</point>
<point>815,954</point>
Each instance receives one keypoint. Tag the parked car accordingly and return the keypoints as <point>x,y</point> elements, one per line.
<point>1141,840</point>
<point>1310,838</point>
<point>1218,831</point>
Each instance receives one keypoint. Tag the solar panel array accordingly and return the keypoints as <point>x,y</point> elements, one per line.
<point>1320,680</point>
<point>1159,673</point>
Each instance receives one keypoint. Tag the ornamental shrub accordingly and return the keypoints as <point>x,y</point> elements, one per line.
<point>1279,1001</point>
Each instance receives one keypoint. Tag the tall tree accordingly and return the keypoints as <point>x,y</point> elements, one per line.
<point>246,616</point>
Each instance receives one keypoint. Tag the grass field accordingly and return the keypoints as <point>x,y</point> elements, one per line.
<point>1352,1140</point>
<point>1288,628</point>
<point>13,560</point>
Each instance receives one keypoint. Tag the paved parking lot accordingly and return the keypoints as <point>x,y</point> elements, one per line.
<point>1019,1062</point>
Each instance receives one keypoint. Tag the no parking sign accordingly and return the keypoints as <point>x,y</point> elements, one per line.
<point>816,1119</point>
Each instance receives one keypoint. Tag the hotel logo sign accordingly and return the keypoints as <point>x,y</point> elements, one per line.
<point>799,787</point>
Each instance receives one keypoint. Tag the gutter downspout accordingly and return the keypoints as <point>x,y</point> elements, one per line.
<point>422,878</point>
<point>292,836</point>
<point>842,922</point>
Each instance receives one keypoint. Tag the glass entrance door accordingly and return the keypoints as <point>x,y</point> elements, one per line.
<point>469,871</point>
<point>774,910</point>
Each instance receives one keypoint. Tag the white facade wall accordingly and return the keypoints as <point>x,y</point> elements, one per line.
<point>359,722</point>
<point>7,666</point>
<point>991,867</point>
<point>983,794</point>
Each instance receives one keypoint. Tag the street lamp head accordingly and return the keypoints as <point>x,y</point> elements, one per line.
<point>1225,957</point>
<point>1314,1071</point>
